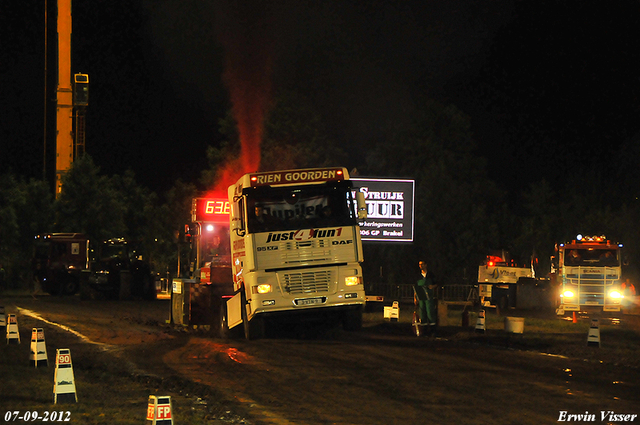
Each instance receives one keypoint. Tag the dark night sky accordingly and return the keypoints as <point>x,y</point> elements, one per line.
<point>546,83</point>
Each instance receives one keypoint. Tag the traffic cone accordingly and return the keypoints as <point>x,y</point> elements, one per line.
<point>575,317</point>
<point>13,335</point>
<point>3,320</point>
<point>480,324</point>
<point>593,339</point>
<point>38,356</point>
<point>64,387</point>
<point>159,411</point>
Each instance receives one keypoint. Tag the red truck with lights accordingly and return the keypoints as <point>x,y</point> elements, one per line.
<point>588,271</point>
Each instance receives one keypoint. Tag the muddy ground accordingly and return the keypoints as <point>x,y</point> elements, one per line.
<point>381,375</point>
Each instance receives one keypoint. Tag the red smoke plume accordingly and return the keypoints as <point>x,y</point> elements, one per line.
<point>244,31</point>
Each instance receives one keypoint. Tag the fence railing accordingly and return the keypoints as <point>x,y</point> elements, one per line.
<point>448,293</point>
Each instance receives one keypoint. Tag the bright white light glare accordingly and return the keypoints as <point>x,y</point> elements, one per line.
<point>209,227</point>
<point>579,237</point>
<point>567,294</point>
<point>615,294</point>
<point>351,280</point>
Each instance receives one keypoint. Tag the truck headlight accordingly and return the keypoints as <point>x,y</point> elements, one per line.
<point>352,280</point>
<point>264,288</point>
<point>568,294</point>
<point>615,294</point>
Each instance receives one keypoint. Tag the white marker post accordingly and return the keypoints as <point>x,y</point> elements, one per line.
<point>593,339</point>
<point>159,411</point>
<point>13,334</point>
<point>64,387</point>
<point>3,320</point>
<point>480,323</point>
<point>38,356</point>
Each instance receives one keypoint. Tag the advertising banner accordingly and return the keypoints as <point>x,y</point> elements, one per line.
<point>389,209</point>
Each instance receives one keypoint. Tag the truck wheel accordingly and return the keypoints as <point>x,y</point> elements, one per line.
<point>214,314</point>
<point>253,329</point>
<point>112,294</point>
<point>224,324</point>
<point>352,320</point>
<point>503,305</point>
<point>51,289</point>
<point>71,286</point>
<point>148,287</point>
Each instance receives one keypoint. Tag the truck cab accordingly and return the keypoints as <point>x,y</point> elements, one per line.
<point>589,273</point>
<point>59,260</point>
<point>120,270</point>
<point>498,280</point>
<point>295,250</point>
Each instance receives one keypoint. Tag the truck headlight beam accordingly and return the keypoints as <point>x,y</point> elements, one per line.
<point>264,288</point>
<point>352,280</point>
<point>615,295</point>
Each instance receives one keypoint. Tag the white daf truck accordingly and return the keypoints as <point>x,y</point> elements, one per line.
<point>295,250</point>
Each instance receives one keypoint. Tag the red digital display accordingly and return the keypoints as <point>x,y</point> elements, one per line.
<point>214,210</point>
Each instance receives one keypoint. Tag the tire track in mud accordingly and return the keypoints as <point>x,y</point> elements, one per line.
<point>214,363</point>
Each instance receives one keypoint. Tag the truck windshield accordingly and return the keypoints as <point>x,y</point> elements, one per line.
<point>592,257</point>
<point>114,251</point>
<point>298,207</point>
<point>214,243</point>
<point>42,251</point>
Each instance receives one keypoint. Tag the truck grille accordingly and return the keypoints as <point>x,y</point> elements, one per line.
<point>308,282</point>
<point>305,252</point>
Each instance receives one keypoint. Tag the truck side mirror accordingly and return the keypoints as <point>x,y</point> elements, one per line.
<point>235,224</point>
<point>362,206</point>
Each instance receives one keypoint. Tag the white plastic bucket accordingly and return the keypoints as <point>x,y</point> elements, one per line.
<point>514,325</point>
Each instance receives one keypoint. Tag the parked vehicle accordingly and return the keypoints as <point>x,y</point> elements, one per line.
<point>59,262</point>
<point>588,271</point>
<point>121,271</point>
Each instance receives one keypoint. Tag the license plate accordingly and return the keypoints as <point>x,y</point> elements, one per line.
<point>310,301</point>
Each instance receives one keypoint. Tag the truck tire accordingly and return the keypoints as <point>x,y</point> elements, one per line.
<point>253,329</point>
<point>148,287</point>
<point>224,323</point>
<point>224,330</point>
<point>70,286</point>
<point>124,290</point>
<point>352,320</point>
<point>503,305</point>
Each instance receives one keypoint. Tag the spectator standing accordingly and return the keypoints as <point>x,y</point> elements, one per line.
<point>426,291</point>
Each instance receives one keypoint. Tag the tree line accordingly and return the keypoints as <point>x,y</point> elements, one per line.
<point>460,213</point>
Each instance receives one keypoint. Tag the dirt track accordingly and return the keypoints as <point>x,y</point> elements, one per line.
<point>382,375</point>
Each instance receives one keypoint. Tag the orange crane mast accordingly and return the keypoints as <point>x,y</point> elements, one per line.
<point>64,110</point>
